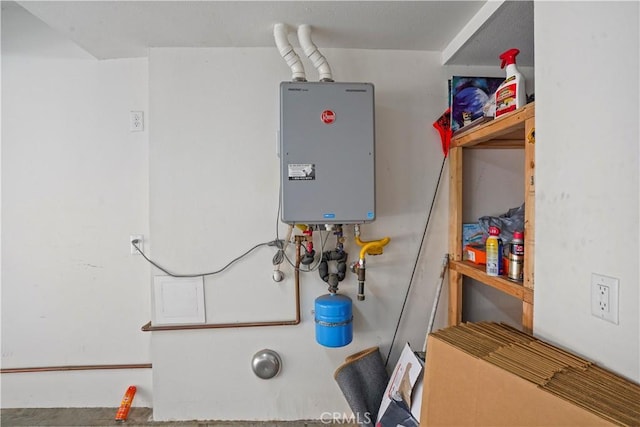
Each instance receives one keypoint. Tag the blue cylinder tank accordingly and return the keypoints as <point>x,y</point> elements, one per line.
<point>334,320</point>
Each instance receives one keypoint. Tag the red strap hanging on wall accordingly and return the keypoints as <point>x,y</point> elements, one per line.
<point>443,125</point>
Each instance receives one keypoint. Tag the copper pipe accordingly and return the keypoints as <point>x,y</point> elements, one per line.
<point>74,368</point>
<point>149,328</point>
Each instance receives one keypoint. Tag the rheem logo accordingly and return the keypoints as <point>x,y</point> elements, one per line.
<point>328,117</point>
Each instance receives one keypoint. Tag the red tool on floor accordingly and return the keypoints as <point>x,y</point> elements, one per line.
<point>125,405</point>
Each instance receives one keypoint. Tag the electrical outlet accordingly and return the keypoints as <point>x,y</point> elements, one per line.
<point>136,121</point>
<point>604,297</point>
<point>139,243</point>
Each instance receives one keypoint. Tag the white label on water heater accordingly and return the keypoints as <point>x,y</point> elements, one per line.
<point>302,172</point>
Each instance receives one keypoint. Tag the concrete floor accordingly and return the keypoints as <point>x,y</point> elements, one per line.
<point>105,417</point>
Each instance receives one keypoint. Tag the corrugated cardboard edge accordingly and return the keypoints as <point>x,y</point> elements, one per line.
<point>463,390</point>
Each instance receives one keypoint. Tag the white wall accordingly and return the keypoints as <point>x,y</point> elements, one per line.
<point>214,194</point>
<point>74,186</point>
<point>587,160</point>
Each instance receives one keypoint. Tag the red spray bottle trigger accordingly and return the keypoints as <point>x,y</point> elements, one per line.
<point>509,57</point>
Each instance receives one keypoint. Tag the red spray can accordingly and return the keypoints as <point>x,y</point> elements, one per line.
<point>125,405</point>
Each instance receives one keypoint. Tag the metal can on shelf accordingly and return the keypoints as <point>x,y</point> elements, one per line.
<point>493,247</point>
<point>516,257</point>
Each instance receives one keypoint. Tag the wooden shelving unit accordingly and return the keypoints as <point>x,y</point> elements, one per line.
<point>513,130</point>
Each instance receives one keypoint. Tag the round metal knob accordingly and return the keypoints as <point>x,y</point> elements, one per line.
<point>266,364</point>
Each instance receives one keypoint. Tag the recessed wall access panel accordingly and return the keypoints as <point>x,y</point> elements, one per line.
<point>178,300</point>
<point>327,152</point>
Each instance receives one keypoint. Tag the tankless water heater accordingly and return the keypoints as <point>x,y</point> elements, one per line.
<point>327,152</point>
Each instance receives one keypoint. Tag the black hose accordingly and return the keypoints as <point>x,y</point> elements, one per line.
<point>333,255</point>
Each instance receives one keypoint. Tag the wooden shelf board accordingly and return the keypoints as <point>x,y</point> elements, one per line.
<point>477,272</point>
<point>510,126</point>
<point>501,143</point>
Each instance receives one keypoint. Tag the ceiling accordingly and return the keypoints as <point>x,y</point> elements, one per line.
<point>470,32</point>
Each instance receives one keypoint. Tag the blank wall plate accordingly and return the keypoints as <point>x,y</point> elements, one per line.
<point>604,297</point>
<point>178,300</point>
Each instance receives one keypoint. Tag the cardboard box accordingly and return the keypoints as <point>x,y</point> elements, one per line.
<point>463,389</point>
<point>475,253</point>
<point>472,234</point>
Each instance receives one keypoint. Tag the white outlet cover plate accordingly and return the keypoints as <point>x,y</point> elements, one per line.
<point>140,243</point>
<point>178,301</point>
<point>613,284</point>
<point>136,121</point>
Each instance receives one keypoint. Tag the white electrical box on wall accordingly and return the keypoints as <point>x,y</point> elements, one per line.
<point>327,152</point>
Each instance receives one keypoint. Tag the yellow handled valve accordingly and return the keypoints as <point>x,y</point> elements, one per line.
<point>374,247</point>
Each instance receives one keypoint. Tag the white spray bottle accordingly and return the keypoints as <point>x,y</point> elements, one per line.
<point>510,94</point>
